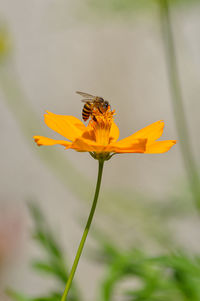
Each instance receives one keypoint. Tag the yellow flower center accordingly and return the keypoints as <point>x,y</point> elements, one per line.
<point>101,124</point>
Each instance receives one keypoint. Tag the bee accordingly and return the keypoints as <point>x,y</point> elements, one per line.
<point>92,103</point>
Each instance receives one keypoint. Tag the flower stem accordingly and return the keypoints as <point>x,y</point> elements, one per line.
<point>85,233</point>
<point>177,101</point>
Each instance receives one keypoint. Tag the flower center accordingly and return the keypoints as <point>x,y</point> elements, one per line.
<point>101,124</point>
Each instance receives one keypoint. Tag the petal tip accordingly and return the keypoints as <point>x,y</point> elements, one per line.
<point>36,138</point>
<point>162,122</point>
<point>47,113</point>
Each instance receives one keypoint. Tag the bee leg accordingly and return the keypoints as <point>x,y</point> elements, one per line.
<point>94,118</point>
<point>100,111</point>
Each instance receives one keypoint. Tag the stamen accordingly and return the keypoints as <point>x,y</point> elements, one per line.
<point>101,125</point>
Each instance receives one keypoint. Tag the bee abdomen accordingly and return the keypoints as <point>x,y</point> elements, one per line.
<point>87,110</point>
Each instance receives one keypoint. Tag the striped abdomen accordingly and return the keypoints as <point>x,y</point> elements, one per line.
<point>87,110</point>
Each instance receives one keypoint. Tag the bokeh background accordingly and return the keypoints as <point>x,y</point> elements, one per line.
<point>115,49</point>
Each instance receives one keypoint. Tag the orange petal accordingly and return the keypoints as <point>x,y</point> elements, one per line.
<point>137,146</point>
<point>68,126</point>
<point>89,134</point>
<point>40,140</point>
<point>114,132</point>
<point>159,147</point>
<point>151,132</point>
<point>85,145</point>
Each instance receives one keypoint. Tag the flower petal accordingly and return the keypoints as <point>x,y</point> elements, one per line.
<point>68,126</point>
<point>40,140</point>
<point>85,145</point>
<point>151,132</point>
<point>158,147</point>
<point>114,132</point>
<point>137,146</point>
<point>89,134</point>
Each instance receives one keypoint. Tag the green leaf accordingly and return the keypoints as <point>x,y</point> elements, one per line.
<point>17,296</point>
<point>53,268</point>
<point>53,297</point>
<point>127,8</point>
<point>42,233</point>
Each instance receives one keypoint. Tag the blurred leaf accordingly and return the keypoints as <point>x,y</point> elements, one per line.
<point>52,297</point>
<point>179,2</point>
<point>125,8</point>
<point>42,234</point>
<point>119,6</point>
<point>17,296</point>
<point>169,277</point>
<point>42,266</point>
<point>54,268</point>
<point>174,277</point>
<point>5,42</point>
<point>53,263</point>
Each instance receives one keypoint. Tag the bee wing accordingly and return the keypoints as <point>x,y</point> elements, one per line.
<point>85,95</point>
<point>86,100</point>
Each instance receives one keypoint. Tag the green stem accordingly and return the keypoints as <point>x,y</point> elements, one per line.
<point>177,101</point>
<point>85,233</point>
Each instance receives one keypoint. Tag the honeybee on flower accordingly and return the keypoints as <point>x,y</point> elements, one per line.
<point>92,103</point>
<point>100,136</point>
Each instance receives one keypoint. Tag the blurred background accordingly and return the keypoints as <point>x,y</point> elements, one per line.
<point>116,49</point>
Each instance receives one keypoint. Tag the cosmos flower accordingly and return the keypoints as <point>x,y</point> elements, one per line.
<point>100,136</point>
<point>100,139</point>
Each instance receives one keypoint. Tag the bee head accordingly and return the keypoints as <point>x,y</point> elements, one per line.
<point>106,105</point>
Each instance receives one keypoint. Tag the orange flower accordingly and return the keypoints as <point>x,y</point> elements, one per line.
<point>100,136</point>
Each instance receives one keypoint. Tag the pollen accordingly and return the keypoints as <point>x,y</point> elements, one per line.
<point>101,126</point>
